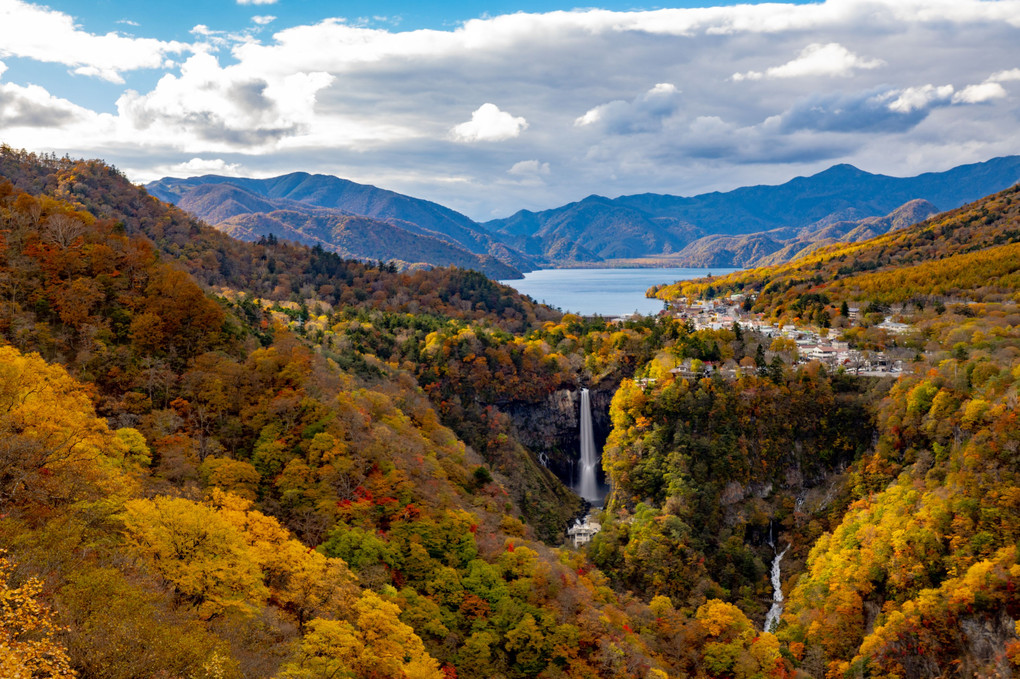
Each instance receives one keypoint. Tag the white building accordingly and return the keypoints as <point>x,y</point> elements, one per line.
<point>582,533</point>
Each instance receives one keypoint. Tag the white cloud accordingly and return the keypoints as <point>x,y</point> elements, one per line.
<point>3,67</point>
<point>256,2</point>
<point>488,123</point>
<point>816,59</point>
<point>529,168</point>
<point>979,94</point>
<point>1004,76</point>
<point>530,173</point>
<point>918,98</point>
<point>225,108</point>
<point>36,112</point>
<point>264,19</point>
<point>201,166</point>
<point>41,34</point>
<point>645,113</point>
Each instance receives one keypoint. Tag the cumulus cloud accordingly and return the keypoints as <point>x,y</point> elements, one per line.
<point>871,111</point>
<point>225,107</point>
<point>644,113</point>
<point>489,123</point>
<point>1005,76</point>
<point>917,98</point>
<point>34,107</point>
<point>33,118</point>
<point>263,19</point>
<point>256,2</point>
<point>979,94</point>
<point>42,34</point>
<point>816,59</point>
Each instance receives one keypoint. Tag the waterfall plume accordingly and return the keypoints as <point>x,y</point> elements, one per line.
<point>588,486</point>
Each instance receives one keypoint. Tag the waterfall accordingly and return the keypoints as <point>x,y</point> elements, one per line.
<point>772,617</point>
<point>588,486</point>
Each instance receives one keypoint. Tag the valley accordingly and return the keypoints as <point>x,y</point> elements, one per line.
<point>356,455</point>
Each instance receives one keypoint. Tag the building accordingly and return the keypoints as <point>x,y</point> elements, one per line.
<point>582,533</point>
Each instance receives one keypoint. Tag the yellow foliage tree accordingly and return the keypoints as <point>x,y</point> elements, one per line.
<point>201,555</point>
<point>301,580</point>
<point>28,649</point>
<point>50,437</point>
<point>377,644</point>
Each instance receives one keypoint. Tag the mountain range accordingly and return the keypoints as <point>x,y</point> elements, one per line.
<point>354,220</point>
<point>753,225</point>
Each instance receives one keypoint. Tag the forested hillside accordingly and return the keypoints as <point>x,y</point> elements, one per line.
<point>343,217</point>
<point>965,254</point>
<point>190,489</point>
<point>227,459</point>
<point>918,577</point>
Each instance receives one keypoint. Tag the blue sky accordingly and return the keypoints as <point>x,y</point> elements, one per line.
<point>492,107</point>
<point>174,20</point>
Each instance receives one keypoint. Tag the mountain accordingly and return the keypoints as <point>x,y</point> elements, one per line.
<point>216,199</point>
<point>781,245</point>
<point>745,227</point>
<point>595,229</point>
<point>250,216</point>
<point>654,224</point>
<point>971,253</point>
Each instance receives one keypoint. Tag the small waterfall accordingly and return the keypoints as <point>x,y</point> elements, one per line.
<point>772,617</point>
<point>588,486</point>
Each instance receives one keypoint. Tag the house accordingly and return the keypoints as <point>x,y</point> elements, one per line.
<point>897,328</point>
<point>582,532</point>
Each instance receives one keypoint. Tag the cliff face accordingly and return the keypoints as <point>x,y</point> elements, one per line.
<point>551,429</point>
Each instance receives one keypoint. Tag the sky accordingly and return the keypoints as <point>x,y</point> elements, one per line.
<point>492,107</point>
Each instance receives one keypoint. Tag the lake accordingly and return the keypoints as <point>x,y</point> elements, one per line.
<point>609,292</point>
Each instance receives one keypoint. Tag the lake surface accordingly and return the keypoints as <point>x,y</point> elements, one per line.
<point>609,292</point>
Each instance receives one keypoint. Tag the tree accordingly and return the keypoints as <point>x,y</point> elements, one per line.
<point>50,437</point>
<point>28,649</point>
<point>376,645</point>
<point>203,557</point>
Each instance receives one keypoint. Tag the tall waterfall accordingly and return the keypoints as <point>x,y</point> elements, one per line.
<point>588,486</point>
<point>772,617</point>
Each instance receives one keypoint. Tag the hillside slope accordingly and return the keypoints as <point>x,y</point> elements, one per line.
<point>214,199</point>
<point>967,254</point>
<point>248,216</point>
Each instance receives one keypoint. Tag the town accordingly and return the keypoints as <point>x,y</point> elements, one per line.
<point>801,344</point>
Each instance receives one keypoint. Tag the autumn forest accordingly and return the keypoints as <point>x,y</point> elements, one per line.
<point>224,459</point>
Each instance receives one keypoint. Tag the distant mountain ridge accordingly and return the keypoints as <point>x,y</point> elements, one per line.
<point>782,245</point>
<point>419,223</point>
<point>672,223</point>
<point>754,225</point>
